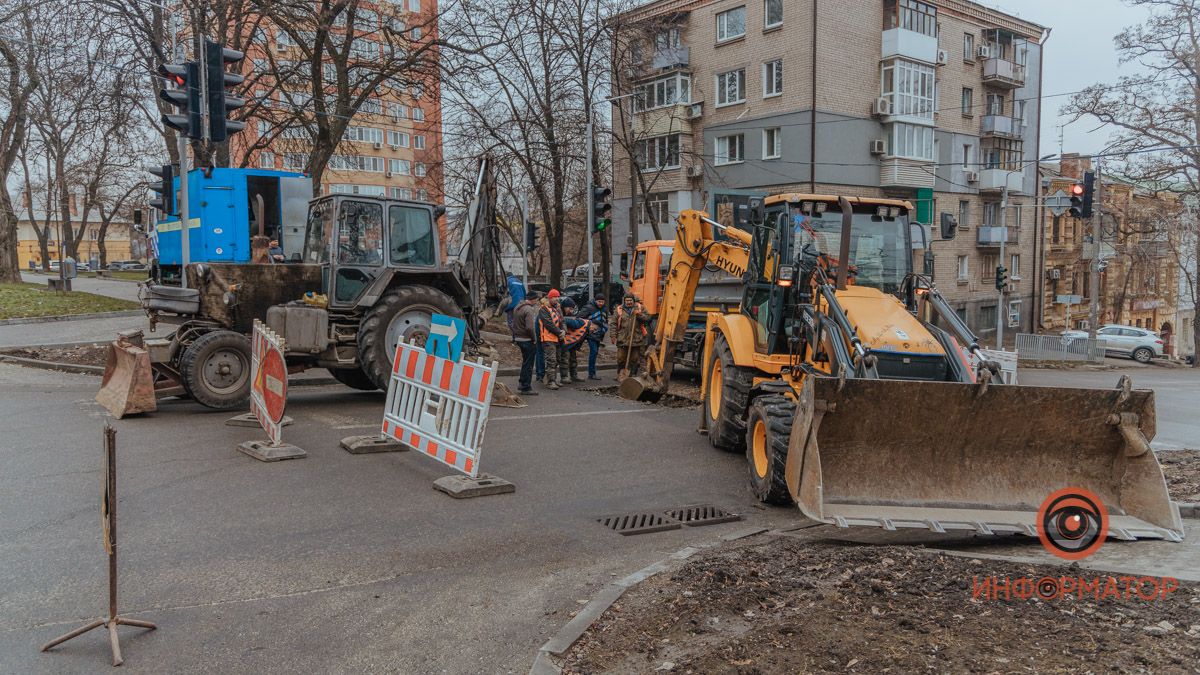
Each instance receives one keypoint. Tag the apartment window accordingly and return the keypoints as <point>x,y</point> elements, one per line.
<point>987,273</point>
<point>667,39</point>
<point>1003,153</point>
<point>1019,112</point>
<point>730,149</point>
<point>1014,312</point>
<point>266,159</point>
<point>1014,266</point>
<point>772,13</point>
<point>995,104</point>
<point>371,106</point>
<point>419,169</point>
<point>357,163</point>
<point>662,92</point>
<point>419,142</point>
<point>418,114</point>
<point>415,33</point>
<point>655,209</point>
<point>910,88</point>
<point>364,134</point>
<point>963,268</point>
<point>657,153</point>
<point>400,167</point>
<point>414,5</point>
<point>964,213</point>
<point>364,49</point>
<point>911,141</point>
<point>987,317</point>
<point>966,157</point>
<point>423,194</point>
<point>731,87</point>
<point>294,161</point>
<point>773,78</point>
<point>920,17</point>
<point>402,193</point>
<point>282,39</point>
<point>772,143</point>
<point>968,47</point>
<point>968,101</point>
<point>397,110</point>
<point>991,214</point>
<point>731,24</point>
<point>397,138</point>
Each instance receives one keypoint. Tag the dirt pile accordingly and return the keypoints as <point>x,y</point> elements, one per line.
<point>788,605</point>
<point>1182,470</point>
<point>88,355</point>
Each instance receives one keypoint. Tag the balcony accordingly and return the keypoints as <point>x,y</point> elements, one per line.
<point>1002,126</point>
<point>992,236</point>
<point>1003,73</point>
<point>995,180</point>
<point>670,57</point>
<point>910,44</point>
<point>901,172</point>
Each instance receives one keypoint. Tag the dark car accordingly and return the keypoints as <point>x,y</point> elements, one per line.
<point>579,292</point>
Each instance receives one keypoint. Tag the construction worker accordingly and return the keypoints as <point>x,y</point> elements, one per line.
<point>576,330</point>
<point>595,312</point>
<point>525,335</point>
<point>629,335</point>
<point>550,326</point>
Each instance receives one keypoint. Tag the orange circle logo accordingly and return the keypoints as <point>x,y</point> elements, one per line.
<point>1072,523</point>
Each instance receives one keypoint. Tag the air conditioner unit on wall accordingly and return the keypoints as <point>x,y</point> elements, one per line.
<point>389,174</point>
<point>882,107</point>
<point>377,145</point>
<point>943,57</point>
<point>395,147</point>
<point>695,111</point>
<point>971,176</point>
<point>695,171</point>
<point>982,51</point>
<point>878,146</point>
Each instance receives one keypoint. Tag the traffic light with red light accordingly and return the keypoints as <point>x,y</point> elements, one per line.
<point>184,95</point>
<point>1082,195</point>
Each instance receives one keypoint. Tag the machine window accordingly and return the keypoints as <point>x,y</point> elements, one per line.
<point>360,236</point>
<point>412,236</point>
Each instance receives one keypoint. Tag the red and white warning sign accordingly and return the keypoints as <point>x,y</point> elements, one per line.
<point>439,407</point>
<point>268,389</point>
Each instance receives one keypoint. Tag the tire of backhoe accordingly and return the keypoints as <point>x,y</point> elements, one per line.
<point>727,430</point>
<point>354,378</point>
<point>191,369</point>
<point>775,414</point>
<point>373,358</point>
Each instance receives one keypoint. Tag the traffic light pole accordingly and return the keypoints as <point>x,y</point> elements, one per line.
<point>524,243</point>
<point>1097,224</point>
<point>184,244</point>
<point>591,210</point>
<point>1001,310</point>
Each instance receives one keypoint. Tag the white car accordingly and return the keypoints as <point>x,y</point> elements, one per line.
<point>1140,344</point>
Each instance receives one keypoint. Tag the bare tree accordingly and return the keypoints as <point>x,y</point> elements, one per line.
<point>1157,119</point>
<point>20,79</point>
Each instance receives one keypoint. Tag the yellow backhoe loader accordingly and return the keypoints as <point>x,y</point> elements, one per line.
<point>858,393</point>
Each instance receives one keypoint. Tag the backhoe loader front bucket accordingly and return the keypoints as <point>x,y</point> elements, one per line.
<point>128,384</point>
<point>980,457</point>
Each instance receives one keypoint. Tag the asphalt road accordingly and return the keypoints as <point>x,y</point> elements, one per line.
<point>334,562</point>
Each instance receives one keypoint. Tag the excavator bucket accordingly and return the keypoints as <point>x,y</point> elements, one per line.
<point>128,384</point>
<point>978,457</point>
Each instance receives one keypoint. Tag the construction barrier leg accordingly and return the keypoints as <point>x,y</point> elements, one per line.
<point>363,445</point>
<point>465,487</point>
<point>265,451</point>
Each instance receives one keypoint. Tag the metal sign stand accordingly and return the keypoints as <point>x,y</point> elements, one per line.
<point>108,508</point>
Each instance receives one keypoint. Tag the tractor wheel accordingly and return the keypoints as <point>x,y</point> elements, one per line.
<point>727,389</point>
<point>354,378</point>
<point>767,432</point>
<point>216,369</point>
<point>403,313</point>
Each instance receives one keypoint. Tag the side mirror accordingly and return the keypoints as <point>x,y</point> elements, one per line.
<point>949,225</point>
<point>758,211</point>
<point>439,211</point>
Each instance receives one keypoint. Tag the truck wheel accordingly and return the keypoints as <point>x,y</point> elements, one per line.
<point>403,313</point>
<point>1143,354</point>
<point>767,432</point>
<point>354,378</point>
<point>727,389</point>
<point>216,369</point>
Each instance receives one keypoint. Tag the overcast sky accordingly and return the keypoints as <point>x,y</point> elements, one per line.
<point>1079,52</point>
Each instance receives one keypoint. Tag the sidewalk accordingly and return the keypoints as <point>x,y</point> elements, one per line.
<point>124,290</point>
<point>75,330</point>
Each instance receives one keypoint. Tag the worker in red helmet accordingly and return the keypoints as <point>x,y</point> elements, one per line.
<point>550,323</point>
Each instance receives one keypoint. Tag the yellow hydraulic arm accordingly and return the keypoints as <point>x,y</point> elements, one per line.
<point>695,247</point>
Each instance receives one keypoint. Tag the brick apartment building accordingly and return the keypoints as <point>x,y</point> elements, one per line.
<point>935,102</point>
<point>1140,282</point>
<point>393,147</point>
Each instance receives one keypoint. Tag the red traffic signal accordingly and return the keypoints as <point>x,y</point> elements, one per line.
<point>1077,190</point>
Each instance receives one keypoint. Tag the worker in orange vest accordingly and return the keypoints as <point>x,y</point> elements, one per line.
<point>550,324</point>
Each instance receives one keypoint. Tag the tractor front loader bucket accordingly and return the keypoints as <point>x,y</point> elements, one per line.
<point>128,384</point>
<point>980,457</point>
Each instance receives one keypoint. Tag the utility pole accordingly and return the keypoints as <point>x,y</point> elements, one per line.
<point>1001,310</point>
<point>1097,224</point>
<point>591,209</point>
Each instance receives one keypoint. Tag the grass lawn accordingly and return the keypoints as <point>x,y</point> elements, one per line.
<point>27,300</point>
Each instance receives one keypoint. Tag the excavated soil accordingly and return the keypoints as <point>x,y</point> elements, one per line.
<point>88,355</point>
<point>1182,470</point>
<point>792,606</point>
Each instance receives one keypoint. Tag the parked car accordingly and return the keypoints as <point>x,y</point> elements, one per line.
<point>126,265</point>
<point>579,292</point>
<point>1139,344</point>
<point>55,265</point>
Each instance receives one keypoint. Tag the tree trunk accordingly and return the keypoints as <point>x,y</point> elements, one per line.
<point>10,263</point>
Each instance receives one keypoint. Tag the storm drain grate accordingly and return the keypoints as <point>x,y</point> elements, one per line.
<point>638,523</point>
<point>702,514</point>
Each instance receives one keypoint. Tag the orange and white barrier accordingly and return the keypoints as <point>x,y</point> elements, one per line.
<point>439,407</point>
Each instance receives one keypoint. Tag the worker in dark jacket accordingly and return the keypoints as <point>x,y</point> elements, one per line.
<point>596,312</point>
<point>630,335</point>
<point>516,295</point>
<point>575,332</point>
<point>525,335</point>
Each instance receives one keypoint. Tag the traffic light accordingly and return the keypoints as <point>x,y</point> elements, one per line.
<point>601,208</point>
<point>220,102</point>
<point>1082,195</point>
<point>531,241</point>
<point>185,95</point>
<point>1001,277</point>
<point>165,201</point>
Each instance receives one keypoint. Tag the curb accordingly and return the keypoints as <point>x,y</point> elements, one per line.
<point>52,365</point>
<point>72,317</point>
<point>543,663</point>
<point>1188,510</point>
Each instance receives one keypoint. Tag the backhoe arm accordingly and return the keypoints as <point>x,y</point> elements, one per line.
<point>695,247</point>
